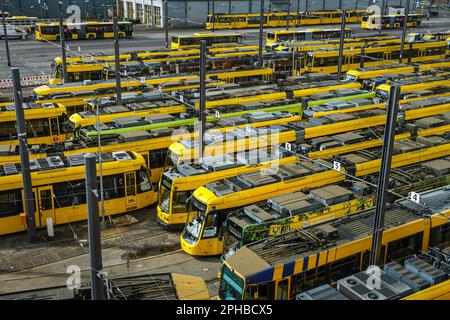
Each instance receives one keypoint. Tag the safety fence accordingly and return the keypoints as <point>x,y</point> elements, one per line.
<point>26,81</point>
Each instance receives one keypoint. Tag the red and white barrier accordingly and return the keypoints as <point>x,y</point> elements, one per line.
<point>26,81</point>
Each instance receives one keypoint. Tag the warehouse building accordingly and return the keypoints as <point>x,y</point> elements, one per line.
<point>180,12</point>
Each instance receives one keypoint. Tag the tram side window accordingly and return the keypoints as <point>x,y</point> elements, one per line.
<point>300,36</point>
<point>401,248</point>
<point>8,131</point>
<point>440,235</point>
<point>395,55</point>
<point>326,61</point>
<point>189,41</point>
<point>70,193</point>
<point>63,194</point>
<point>413,53</point>
<point>35,128</point>
<point>54,125</point>
<point>91,29</point>
<point>335,15</point>
<point>10,202</point>
<point>38,128</point>
<point>143,181</point>
<point>375,55</point>
<point>315,278</point>
<point>266,291</point>
<point>113,186</point>
<point>435,51</point>
<point>157,158</point>
<point>109,28</point>
<point>49,30</point>
<point>95,75</point>
<point>345,267</point>
<point>255,19</point>
<point>251,292</point>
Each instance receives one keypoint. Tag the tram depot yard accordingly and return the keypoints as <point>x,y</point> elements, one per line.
<point>234,160</point>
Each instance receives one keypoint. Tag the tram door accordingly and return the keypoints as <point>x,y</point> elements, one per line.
<point>130,190</point>
<point>43,205</point>
<point>422,54</point>
<point>348,61</point>
<point>283,289</point>
<point>54,129</point>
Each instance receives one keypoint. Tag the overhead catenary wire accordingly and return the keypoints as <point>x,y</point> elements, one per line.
<point>192,106</point>
<point>68,220</point>
<point>187,104</point>
<point>168,95</point>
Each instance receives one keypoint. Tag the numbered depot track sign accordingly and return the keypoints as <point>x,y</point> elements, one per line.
<point>415,197</point>
<point>288,146</point>
<point>336,165</point>
<point>217,114</point>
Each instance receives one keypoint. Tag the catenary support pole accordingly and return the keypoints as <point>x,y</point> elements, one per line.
<point>117,59</point>
<point>382,13</point>
<point>405,25</point>
<point>185,13</point>
<point>261,34</point>
<point>62,42</point>
<point>202,115</point>
<point>95,248</point>
<point>41,8</point>
<point>100,162</point>
<point>213,12</point>
<point>105,11</point>
<point>288,20</point>
<point>341,44</point>
<point>383,179</point>
<point>166,24</point>
<point>361,58</point>
<point>24,160</point>
<point>5,33</point>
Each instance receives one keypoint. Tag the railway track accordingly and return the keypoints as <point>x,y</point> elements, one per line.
<point>119,239</point>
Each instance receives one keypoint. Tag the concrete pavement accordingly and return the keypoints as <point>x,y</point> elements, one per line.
<point>35,57</point>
